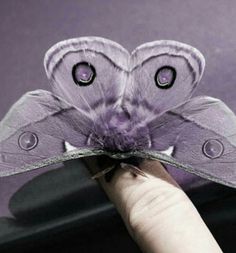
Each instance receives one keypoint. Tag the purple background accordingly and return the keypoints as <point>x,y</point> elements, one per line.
<point>28,28</point>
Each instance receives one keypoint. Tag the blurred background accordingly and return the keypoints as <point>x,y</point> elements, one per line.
<point>63,210</point>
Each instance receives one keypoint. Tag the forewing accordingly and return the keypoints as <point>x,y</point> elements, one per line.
<point>90,88</point>
<point>164,75</point>
<point>34,131</point>
<point>203,135</point>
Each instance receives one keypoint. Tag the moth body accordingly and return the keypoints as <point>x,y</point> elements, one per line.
<point>108,101</point>
<point>118,131</point>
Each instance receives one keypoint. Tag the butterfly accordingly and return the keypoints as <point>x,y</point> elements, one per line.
<point>107,101</point>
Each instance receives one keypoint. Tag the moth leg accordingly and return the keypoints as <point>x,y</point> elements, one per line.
<point>103,172</point>
<point>106,167</point>
<point>133,169</point>
<point>109,166</point>
<point>110,174</point>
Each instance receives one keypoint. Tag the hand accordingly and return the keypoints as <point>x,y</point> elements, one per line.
<point>157,213</point>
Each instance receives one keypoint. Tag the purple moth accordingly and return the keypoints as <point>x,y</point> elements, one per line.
<point>107,101</point>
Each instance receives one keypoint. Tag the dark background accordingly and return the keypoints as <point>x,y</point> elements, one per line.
<point>27,29</point>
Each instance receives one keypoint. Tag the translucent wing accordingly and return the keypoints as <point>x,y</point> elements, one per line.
<point>88,76</point>
<point>202,133</point>
<point>34,132</point>
<point>88,72</point>
<point>164,75</point>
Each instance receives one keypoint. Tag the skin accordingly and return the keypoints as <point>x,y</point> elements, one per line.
<point>156,211</point>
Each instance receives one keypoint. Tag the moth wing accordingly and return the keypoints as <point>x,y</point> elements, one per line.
<point>164,74</point>
<point>33,133</point>
<point>106,72</point>
<point>202,133</point>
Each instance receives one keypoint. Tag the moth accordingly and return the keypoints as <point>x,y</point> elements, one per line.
<point>107,101</point>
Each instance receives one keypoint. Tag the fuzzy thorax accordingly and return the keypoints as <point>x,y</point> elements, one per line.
<point>118,132</point>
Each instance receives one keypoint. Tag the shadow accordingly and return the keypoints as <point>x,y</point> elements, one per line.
<point>56,193</point>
